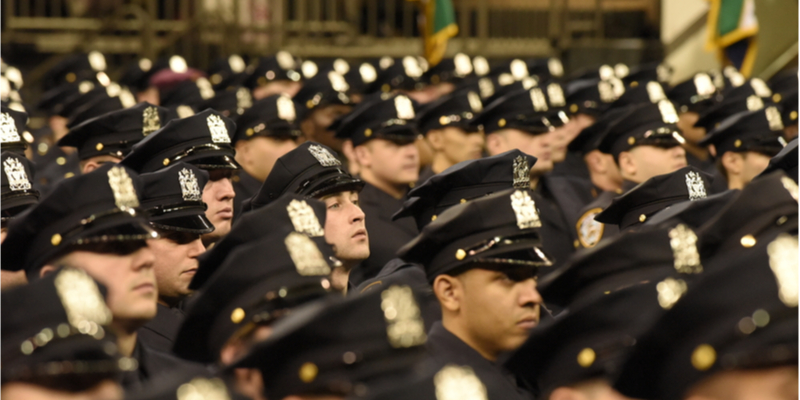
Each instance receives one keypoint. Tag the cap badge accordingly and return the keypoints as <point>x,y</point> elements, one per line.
<point>525,210</point>
<point>655,92</point>
<point>122,186</point>
<point>518,69</point>
<point>367,72</point>
<point>306,255</point>
<point>668,113</point>
<point>618,87</point>
<point>621,70</point>
<point>606,91</point>
<point>522,173</point>
<point>783,262</point>
<point>670,291</point>
<point>150,121</point>
<point>304,219</point>
<point>760,88</point>
<point>774,119</point>
<point>404,325</point>
<point>285,60</point>
<point>455,382</point>
<point>184,111</point>
<point>555,67</point>
<point>17,178</point>
<point>82,301</point>
<point>97,61</point>
<point>243,99</point>
<point>736,77</point>
<point>538,99</point>
<point>189,187</point>
<point>703,85</point>
<point>8,130</point>
<point>556,95</point>
<point>605,71</point>
<point>203,389</point>
<point>219,133</point>
<point>309,69</point>
<point>754,103</point>
<point>481,65</point>
<point>337,82</point>
<point>590,231</point>
<point>486,87</point>
<point>463,66</point>
<point>663,73</point>
<point>684,250</point>
<point>341,66</point>
<point>286,109</point>
<point>790,186</point>
<point>404,108</point>
<point>695,186</point>
<point>474,102</point>
<point>325,158</point>
<point>236,63</point>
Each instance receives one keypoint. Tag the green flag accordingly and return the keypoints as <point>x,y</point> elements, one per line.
<point>438,27</point>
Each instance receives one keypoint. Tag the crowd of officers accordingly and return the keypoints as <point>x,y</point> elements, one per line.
<point>324,229</point>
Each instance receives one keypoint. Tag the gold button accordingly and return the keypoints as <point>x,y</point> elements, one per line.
<point>249,132</point>
<point>71,77</point>
<point>748,241</point>
<point>586,358</point>
<point>99,146</point>
<point>634,84</point>
<point>502,122</point>
<point>237,315</point>
<point>573,108</point>
<point>444,120</point>
<point>460,254</point>
<point>776,97</point>
<point>433,218</point>
<point>703,357</point>
<point>166,162</point>
<point>308,372</point>
<point>463,201</point>
<point>61,160</point>
<point>642,218</point>
<point>368,132</point>
<point>793,115</point>
<point>310,103</point>
<point>737,143</point>
<point>55,240</point>
<point>69,175</point>
<point>576,244</point>
<point>386,87</point>
<point>631,140</point>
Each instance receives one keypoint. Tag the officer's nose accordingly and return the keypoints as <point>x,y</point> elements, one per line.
<point>143,258</point>
<point>196,248</point>
<point>529,294</point>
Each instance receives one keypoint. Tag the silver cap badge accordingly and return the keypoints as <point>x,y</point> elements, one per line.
<point>525,210</point>
<point>655,92</point>
<point>683,242</point>
<point>695,186</point>
<point>774,119</point>
<point>286,109</point>
<point>150,121</point>
<point>538,99</point>
<point>203,389</point>
<point>82,301</point>
<point>219,132</point>
<point>668,113</point>
<point>189,186</point>
<point>15,171</point>
<point>455,382</point>
<point>122,186</point>
<point>404,108</point>
<point>522,173</point>
<point>474,102</point>
<point>783,261</point>
<point>325,158</point>
<point>404,325</point>
<point>8,130</point>
<point>556,95</point>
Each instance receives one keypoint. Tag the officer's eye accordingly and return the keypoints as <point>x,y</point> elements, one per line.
<point>333,206</point>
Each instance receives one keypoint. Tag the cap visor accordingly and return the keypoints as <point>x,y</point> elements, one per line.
<point>191,222</point>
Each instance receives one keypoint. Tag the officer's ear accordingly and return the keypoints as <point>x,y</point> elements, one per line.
<point>566,393</point>
<point>448,291</point>
<point>733,163</point>
<point>363,155</point>
<point>88,166</point>
<point>627,164</point>
<point>46,270</point>
<point>495,143</point>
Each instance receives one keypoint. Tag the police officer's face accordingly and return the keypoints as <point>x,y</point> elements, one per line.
<point>175,263</point>
<point>567,133</point>
<point>390,162</point>
<point>539,146</point>
<point>259,154</point>
<point>105,390</point>
<point>778,383</point>
<point>345,229</point>
<point>218,195</point>
<point>315,127</point>
<point>130,280</point>
<point>686,123</point>
<point>455,145</point>
<point>644,162</point>
<point>497,309</point>
<point>753,164</point>
<point>276,87</point>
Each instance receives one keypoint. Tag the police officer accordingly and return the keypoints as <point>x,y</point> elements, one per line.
<point>93,222</point>
<point>691,98</point>
<point>275,74</point>
<point>48,352</point>
<point>109,138</point>
<point>264,133</point>
<point>382,133</point>
<point>172,199</point>
<point>18,195</point>
<point>482,258</point>
<point>446,124</point>
<point>744,143</point>
<point>203,140</point>
<point>322,100</point>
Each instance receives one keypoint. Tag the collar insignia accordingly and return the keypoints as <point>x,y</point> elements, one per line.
<point>670,291</point>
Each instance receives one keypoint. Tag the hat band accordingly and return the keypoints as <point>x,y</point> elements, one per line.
<point>194,150</point>
<point>97,218</point>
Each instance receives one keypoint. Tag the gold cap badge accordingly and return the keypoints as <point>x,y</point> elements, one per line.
<point>475,102</point>
<point>203,389</point>
<point>404,325</point>
<point>538,99</point>
<point>122,186</point>
<point>684,250</point>
<point>556,95</point>
<point>454,382</point>
<point>525,210</point>
<point>306,255</point>
<point>670,291</point>
<point>667,110</point>
<point>783,262</point>
<point>405,110</point>
<point>189,186</point>
<point>286,109</point>
<point>84,305</point>
<point>655,92</point>
<point>303,218</point>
